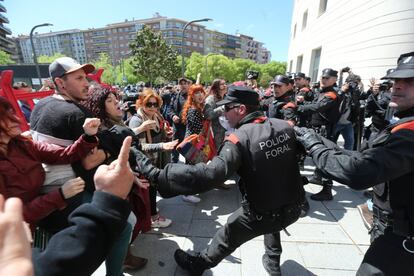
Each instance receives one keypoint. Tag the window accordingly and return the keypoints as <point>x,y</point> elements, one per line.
<point>305,19</point>
<point>290,65</point>
<point>294,31</point>
<point>314,65</point>
<point>299,63</point>
<point>322,6</point>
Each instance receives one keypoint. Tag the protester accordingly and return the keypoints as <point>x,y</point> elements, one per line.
<point>212,112</point>
<point>22,174</point>
<point>149,125</point>
<point>80,248</point>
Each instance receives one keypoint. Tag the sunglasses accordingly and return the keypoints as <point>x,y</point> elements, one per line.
<point>149,105</point>
<point>227,108</point>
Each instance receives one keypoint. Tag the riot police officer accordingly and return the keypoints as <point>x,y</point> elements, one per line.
<point>284,103</point>
<point>263,152</point>
<point>324,111</point>
<point>387,166</point>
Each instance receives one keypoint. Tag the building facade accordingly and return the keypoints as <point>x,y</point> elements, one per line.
<point>114,39</point>
<point>367,36</point>
<point>6,43</point>
<point>69,43</point>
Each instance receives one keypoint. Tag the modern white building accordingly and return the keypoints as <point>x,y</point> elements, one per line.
<point>366,35</point>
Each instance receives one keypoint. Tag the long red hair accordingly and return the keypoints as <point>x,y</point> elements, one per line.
<point>7,114</point>
<point>190,103</point>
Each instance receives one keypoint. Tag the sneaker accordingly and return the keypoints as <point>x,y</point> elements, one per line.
<point>191,199</point>
<point>366,215</point>
<point>195,265</point>
<point>158,221</point>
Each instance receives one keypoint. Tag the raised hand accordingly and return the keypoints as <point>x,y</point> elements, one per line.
<point>15,251</point>
<point>116,178</point>
<point>91,126</point>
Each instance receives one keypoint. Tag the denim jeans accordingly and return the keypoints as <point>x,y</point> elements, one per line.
<point>347,132</point>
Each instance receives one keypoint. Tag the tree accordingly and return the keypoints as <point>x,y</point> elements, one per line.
<point>153,57</point>
<point>49,59</point>
<point>5,58</point>
<point>109,74</point>
<point>194,66</point>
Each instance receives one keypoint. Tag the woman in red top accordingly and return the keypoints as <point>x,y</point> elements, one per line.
<point>21,171</point>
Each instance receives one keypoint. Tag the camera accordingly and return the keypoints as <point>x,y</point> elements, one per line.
<point>385,86</point>
<point>252,75</point>
<point>316,85</point>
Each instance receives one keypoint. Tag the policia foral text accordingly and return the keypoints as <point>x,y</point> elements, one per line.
<point>263,152</point>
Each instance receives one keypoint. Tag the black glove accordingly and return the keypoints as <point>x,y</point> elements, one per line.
<point>145,166</point>
<point>307,137</point>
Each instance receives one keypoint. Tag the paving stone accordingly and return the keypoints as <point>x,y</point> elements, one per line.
<point>330,256</point>
<point>332,272</point>
<point>351,222</point>
<point>322,233</point>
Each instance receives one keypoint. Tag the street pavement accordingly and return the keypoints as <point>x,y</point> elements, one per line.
<point>330,241</point>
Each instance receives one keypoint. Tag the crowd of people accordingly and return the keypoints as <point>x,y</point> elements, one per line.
<point>74,171</point>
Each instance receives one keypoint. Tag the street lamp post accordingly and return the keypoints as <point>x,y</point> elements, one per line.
<point>182,40</point>
<point>123,66</point>
<point>34,51</point>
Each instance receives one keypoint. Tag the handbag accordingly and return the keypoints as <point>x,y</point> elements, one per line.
<point>198,148</point>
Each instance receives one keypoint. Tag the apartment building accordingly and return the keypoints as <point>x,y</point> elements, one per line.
<point>368,36</point>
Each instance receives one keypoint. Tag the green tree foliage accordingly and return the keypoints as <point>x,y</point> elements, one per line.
<point>49,59</point>
<point>109,75</point>
<point>125,68</point>
<point>152,57</point>
<point>213,66</point>
<point>5,58</point>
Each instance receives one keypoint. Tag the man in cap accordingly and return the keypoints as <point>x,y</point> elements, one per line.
<point>283,105</point>
<point>324,112</point>
<point>387,166</point>
<point>263,153</point>
<point>58,120</point>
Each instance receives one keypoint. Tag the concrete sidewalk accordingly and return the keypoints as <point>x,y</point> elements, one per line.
<point>331,240</point>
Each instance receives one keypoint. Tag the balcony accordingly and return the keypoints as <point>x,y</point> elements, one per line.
<point>5,29</point>
<point>2,8</point>
<point>6,40</point>
<point>4,19</point>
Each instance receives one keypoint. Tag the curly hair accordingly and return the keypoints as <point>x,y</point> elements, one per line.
<point>144,97</point>
<point>95,103</point>
<point>190,101</point>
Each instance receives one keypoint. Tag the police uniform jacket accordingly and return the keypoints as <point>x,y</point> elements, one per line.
<point>261,150</point>
<point>324,109</point>
<point>387,165</point>
<point>283,107</point>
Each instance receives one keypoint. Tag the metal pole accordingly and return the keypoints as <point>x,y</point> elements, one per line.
<point>34,50</point>
<point>182,41</point>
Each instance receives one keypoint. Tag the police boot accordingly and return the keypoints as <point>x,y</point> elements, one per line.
<point>271,266</point>
<point>315,179</point>
<point>304,208</point>
<point>195,265</point>
<point>325,194</point>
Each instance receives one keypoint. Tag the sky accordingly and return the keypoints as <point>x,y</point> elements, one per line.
<point>268,21</point>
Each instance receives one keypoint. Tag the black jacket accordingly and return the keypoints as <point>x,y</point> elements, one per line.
<point>388,160</point>
<point>81,248</point>
<point>258,183</point>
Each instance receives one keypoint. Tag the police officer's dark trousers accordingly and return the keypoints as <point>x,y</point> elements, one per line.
<point>242,227</point>
<point>387,255</point>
